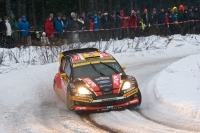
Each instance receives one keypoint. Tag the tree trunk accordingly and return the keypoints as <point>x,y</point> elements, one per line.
<point>43,11</point>
<point>110,6</point>
<point>80,6</point>
<point>96,5</point>
<point>131,5</point>
<point>33,12</point>
<point>19,13</point>
<point>30,18</point>
<point>117,5</point>
<point>23,7</point>
<point>8,8</point>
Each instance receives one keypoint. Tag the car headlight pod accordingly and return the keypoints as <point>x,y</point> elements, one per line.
<point>83,90</point>
<point>126,85</point>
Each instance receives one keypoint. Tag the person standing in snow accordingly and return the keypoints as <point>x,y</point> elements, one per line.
<point>14,26</point>
<point>24,29</point>
<point>161,21</point>
<point>49,28</point>
<point>96,22</point>
<point>145,18</point>
<point>133,19</point>
<point>154,22</point>
<point>9,43</point>
<point>75,25</point>
<point>2,32</point>
<point>58,26</point>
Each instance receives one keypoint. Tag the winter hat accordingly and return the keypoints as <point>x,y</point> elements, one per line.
<point>94,12</point>
<point>181,7</point>
<point>51,15</point>
<point>175,9</point>
<point>23,17</point>
<point>43,33</point>
<point>154,9</point>
<point>12,15</point>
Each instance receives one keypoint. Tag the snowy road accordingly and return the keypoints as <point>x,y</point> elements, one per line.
<point>28,104</point>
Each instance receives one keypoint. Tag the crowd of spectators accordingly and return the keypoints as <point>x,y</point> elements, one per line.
<point>96,26</point>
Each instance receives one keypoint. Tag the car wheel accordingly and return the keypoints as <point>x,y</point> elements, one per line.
<point>139,97</point>
<point>70,102</point>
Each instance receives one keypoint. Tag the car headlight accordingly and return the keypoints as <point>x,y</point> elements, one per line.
<point>83,90</point>
<point>126,85</point>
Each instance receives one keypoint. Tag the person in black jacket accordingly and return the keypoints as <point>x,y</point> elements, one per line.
<point>75,26</point>
<point>106,22</point>
<point>154,22</point>
<point>117,25</point>
<point>2,32</point>
<point>186,25</point>
<point>145,18</point>
<point>161,20</point>
<point>197,17</point>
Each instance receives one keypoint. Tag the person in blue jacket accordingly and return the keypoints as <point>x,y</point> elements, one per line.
<point>24,26</point>
<point>58,26</point>
<point>96,21</point>
<point>24,30</point>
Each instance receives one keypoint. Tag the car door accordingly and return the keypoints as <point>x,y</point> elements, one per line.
<point>66,69</point>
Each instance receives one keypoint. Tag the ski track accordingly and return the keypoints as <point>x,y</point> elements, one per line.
<point>43,111</point>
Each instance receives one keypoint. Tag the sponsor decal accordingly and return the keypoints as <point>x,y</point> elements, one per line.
<point>105,85</point>
<point>76,58</point>
<point>109,99</point>
<point>131,93</point>
<point>82,99</point>
<point>91,84</point>
<point>105,55</point>
<point>107,93</point>
<point>116,80</point>
<point>106,89</point>
<point>103,82</point>
<point>102,78</point>
<point>109,107</point>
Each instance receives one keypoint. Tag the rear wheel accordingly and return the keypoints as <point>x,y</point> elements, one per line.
<point>70,102</point>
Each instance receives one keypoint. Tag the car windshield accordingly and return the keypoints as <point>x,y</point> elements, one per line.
<point>89,71</point>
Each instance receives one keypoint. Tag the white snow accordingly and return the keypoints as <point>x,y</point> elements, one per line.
<point>28,102</point>
<point>179,86</point>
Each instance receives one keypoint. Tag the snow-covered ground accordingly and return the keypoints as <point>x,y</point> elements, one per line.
<point>170,94</point>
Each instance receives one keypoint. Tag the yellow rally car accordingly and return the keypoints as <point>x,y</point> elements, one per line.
<point>91,80</point>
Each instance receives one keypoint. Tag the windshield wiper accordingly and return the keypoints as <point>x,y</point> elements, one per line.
<point>110,67</point>
<point>102,74</point>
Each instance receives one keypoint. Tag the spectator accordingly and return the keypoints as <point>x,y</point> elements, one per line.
<point>64,22</point>
<point>83,16</point>
<point>58,26</point>
<point>161,20</point>
<point>145,18</point>
<point>44,39</point>
<point>154,22</point>
<point>106,20</point>
<point>14,26</point>
<point>8,43</point>
<point>197,17</point>
<point>96,21</point>
<point>173,19</point>
<point>49,28</point>
<point>141,27</point>
<point>2,32</point>
<point>166,26</point>
<point>75,24</point>
<point>124,24</point>
<point>138,14</point>
<point>24,28</point>
<point>133,23</point>
<point>69,20</point>
<point>82,23</point>
<point>191,16</point>
<point>185,25</point>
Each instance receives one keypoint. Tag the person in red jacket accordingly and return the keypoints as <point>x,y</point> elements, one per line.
<point>125,24</point>
<point>133,19</point>
<point>49,28</point>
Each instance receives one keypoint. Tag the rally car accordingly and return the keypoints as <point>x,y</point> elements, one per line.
<point>91,80</point>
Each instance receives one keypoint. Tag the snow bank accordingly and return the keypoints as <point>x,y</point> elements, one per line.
<point>178,86</point>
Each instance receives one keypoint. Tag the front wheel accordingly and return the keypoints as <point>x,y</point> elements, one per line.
<point>70,102</point>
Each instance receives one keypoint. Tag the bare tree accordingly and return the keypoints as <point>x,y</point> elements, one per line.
<point>110,5</point>
<point>19,8</point>
<point>33,12</point>
<point>23,4</point>
<point>8,8</point>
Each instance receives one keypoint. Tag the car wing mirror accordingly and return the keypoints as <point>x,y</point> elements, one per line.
<point>123,67</point>
<point>63,75</point>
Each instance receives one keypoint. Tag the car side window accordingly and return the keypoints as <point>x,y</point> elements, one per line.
<point>67,68</point>
<point>63,65</point>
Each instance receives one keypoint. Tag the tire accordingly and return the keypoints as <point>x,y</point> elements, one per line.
<point>139,97</point>
<point>54,85</point>
<point>70,102</point>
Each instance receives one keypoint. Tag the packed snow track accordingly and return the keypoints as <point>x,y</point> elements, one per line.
<point>29,104</point>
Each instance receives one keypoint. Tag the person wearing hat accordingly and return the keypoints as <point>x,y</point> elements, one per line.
<point>24,28</point>
<point>49,27</point>
<point>44,39</point>
<point>75,26</point>
<point>153,22</point>
<point>133,19</point>
<point>96,21</point>
<point>58,26</point>
<point>14,26</point>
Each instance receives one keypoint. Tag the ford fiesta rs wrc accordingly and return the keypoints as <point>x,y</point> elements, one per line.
<point>91,80</point>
